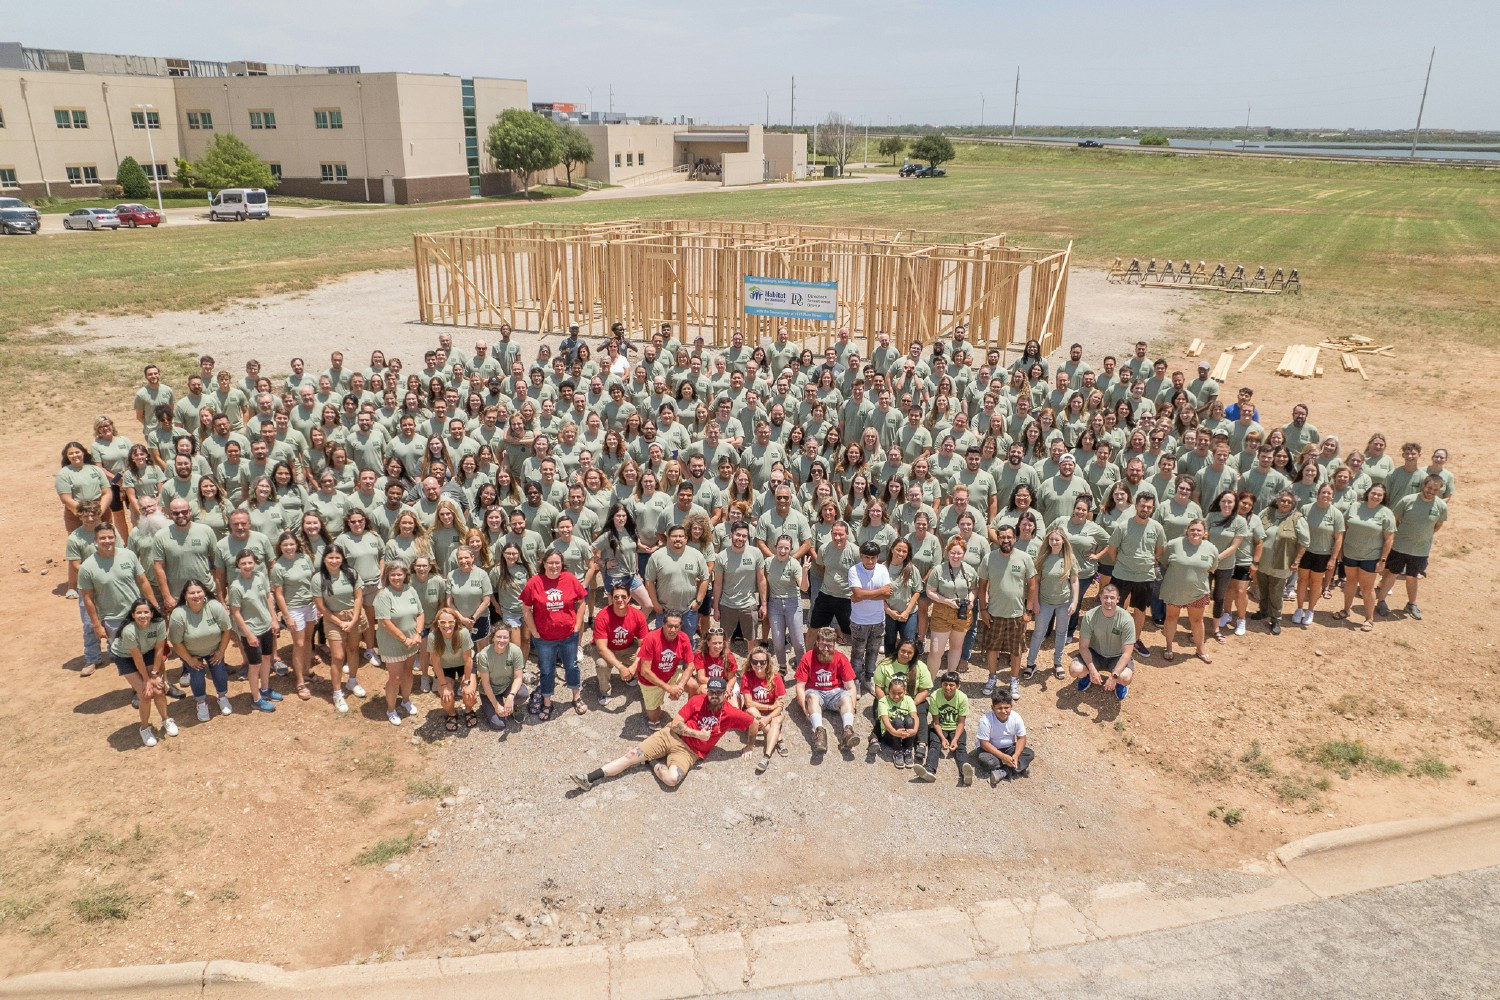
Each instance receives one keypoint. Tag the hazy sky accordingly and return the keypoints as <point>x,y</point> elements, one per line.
<point>1329,64</point>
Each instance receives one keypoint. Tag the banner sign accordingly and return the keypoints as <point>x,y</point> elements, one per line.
<point>816,300</point>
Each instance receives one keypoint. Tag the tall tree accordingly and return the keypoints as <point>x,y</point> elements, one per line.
<point>933,147</point>
<point>836,139</point>
<point>228,163</point>
<point>577,151</point>
<point>523,142</point>
<point>892,146</point>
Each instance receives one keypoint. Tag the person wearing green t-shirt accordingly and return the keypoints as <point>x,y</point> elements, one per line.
<point>451,649</point>
<point>1419,517</point>
<point>896,719</point>
<point>1325,533</point>
<point>498,668</point>
<point>398,631</point>
<point>1106,645</point>
<point>140,653</point>
<point>947,731</point>
<point>1369,533</point>
<point>109,583</point>
<point>1007,590</point>
<point>1135,546</point>
<point>200,630</point>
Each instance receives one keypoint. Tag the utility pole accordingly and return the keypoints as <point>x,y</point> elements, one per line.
<point>1015,103</point>
<point>768,109</point>
<point>1245,141</point>
<point>981,111</point>
<point>793,120</point>
<point>611,98</point>
<point>867,141</point>
<point>1423,106</point>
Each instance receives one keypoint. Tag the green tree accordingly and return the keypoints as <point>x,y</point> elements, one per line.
<point>228,162</point>
<point>183,172</point>
<point>523,142</point>
<point>577,151</point>
<point>933,147</point>
<point>1155,140</point>
<point>131,177</point>
<point>891,146</point>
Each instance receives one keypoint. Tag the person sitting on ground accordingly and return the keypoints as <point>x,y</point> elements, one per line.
<point>693,733</point>
<point>498,668</point>
<point>825,680</point>
<point>763,695</point>
<point>1002,740</point>
<point>662,665</point>
<point>714,660</point>
<point>896,719</point>
<point>950,709</point>
<point>1106,645</point>
<point>904,662</point>
<point>619,629</point>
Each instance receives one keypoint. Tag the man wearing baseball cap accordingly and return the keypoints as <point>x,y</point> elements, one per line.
<point>1203,389</point>
<point>568,349</point>
<point>693,733</point>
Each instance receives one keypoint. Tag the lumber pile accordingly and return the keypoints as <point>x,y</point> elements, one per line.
<point>1299,361</point>
<point>1352,364</point>
<point>1353,344</point>
<point>1245,346</point>
<point>1195,348</point>
<point>1221,368</point>
<point>1253,354</point>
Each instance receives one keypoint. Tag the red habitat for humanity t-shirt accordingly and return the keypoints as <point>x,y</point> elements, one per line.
<point>661,659</point>
<point>722,667</point>
<point>698,715</point>
<point>553,604</point>
<point>820,676</point>
<point>619,631</point>
<point>762,690</point>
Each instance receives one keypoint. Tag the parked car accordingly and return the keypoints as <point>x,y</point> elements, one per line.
<point>1091,144</point>
<point>18,222</point>
<point>20,206</point>
<point>240,204</point>
<point>137,215</point>
<point>931,172</point>
<point>91,218</point>
<point>909,169</point>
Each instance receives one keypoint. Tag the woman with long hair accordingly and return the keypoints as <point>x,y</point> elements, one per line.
<point>509,576</point>
<point>200,631</point>
<point>1057,595</point>
<point>399,626</point>
<point>901,619</point>
<point>763,696</point>
<point>615,547</point>
<point>140,654</point>
<point>142,478</point>
<point>1369,530</point>
<point>1228,531</point>
<point>110,451</point>
<point>78,480</point>
<point>450,647</point>
<point>554,604</point>
<point>292,583</point>
<point>252,609</point>
<point>339,596</point>
<point>950,587</point>
<point>1325,531</point>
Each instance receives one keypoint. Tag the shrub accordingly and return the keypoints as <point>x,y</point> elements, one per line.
<point>1155,140</point>
<point>131,177</point>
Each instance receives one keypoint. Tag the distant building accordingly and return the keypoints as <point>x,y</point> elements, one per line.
<point>68,118</point>
<point>633,152</point>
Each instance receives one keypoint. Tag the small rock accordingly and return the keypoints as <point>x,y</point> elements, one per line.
<point>781,901</point>
<point>476,934</point>
<point>449,802</point>
<point>1317,652</point>
<point>44,572</point>
<point>515,933</point>
<point>1082,825</point>
<point>392,868</point>
<point>400,953</point>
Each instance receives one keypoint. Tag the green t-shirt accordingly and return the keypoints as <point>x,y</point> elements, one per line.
<point>836,564</point>
<point>948,713</point>
<point>1222,535</point>
<point>87,482</point>
<point>918,677</point>
<point>132,637</point>
<point>185,555</point>
<point>253,598</point>
<point>402,607</point>
<point>653,516</point>
<point>470,591</point>
<point>500,666</point>
<point>1107,635</point>
<point>887,709</point>
<point>1188,570</point>
<point>1136,546</point>
<point>1365,530</point>
<point>783,577</point>
<point>770,526</point>
<point>430,592</point>
<point>338,592</point>
<point>1086,540</point>
<point>576,555</point>
<point>1322,526</point>
<point>362,554</point>
<point>295,578</point>
<point>1246,554</point>
<point>462,645</point>
<point>1176,517</point>
<point>199,631</point>
<point>954,584</point>
<point>904,583</point>
<point>1056,583</point>
<point>113,582</point>
<point>1416,522</point>
<point>1009,577</point>
<point>741,572</point>
<point>617,559</point>
<point>676,577</point>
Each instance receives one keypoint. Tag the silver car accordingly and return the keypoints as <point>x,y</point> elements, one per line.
<point>91,218</point>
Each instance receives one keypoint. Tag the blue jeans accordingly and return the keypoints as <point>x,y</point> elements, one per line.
<point>969,640</point>
<point>92,651</point>
<point>689,622</point>
<point>1055,616</point>
<point>548,652</point>
<point>1083,588</point>
<point>785,615</point>
<point>196,679</point>
<point>896,631</point>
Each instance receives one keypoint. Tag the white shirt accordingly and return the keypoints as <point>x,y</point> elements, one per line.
<point>1001,735</point>
<point>870,612</point>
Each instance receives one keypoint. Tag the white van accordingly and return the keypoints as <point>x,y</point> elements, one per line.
<point>240,204</point>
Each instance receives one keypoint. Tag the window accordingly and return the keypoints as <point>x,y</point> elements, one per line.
<point>8,178</point>
<point>88,174</point>
<point>328,118</point>
<point>201,120</point>
<point>71,117</point>
<point>617,159</point>
<point>145,119</point>
<point>157,172</point>
<point>630,159</point>
<point>334,173</point>
<point>2,117</point>
<point>640,159</point>
<point>275,170</point>
<point>262,119</point>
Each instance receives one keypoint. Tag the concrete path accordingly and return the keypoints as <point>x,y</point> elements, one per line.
<point>1370,912</point>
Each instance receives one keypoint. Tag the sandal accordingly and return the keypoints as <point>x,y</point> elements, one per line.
<point>1327,594</point>
<point>580,707</point>
<point>1341,616</point>
<point>304,692</point>
<point>471,719</point>
<point>1368,626</point>
<point>1218,637</point>
<point>1205,657</point>
<point>1060,672</point>
<point>1168,655</point>
<point>534,704</point>
<point>450,723</point>
<point>544,714</point>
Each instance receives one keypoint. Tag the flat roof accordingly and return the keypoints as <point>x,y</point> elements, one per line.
<point>738,136</point>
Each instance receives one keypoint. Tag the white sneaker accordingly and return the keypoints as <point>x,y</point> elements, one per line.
<point>224,707</point>
<point>372,658</point>
<point>426,684</point>
<point>203,710</point>
<point>346,670</point>
<point>169,727</point>
<point>1015,688</point>
<point>394,716</point>
<point>1225,619</point>
<point>1239,626</point>
<point>147,736</point>
<point>339,702</point>
<point>408,707</point>
<point>354,688</point>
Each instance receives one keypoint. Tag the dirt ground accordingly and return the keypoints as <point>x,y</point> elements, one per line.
<point>240,837</point>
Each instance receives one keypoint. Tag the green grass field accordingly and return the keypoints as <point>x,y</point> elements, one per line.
<point>1379,246</point>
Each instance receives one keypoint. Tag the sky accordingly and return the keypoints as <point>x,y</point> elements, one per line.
<point>1325,64</point>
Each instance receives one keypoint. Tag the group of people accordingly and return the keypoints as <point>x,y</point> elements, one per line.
<point>473,525</point>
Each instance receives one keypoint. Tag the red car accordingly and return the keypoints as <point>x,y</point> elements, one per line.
<point>137,215</point>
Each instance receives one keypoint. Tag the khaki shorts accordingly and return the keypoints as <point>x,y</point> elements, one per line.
<point>336,634</point>
<point>653,696</point>
<point>664,743</point>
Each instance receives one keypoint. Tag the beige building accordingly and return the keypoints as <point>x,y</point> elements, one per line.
<point>67,119</point>
<point>631,153</point>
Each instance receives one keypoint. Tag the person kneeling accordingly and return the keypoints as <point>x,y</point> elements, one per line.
<point>1106,646</point>
<point>692,734</point>
<point>1002,741</point>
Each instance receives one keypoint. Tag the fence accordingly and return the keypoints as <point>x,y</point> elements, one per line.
<point>908,283</point>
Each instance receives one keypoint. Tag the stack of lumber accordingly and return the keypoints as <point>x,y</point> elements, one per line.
<point>1221,368</point>
<point>1353,344</point>
<point>1195,348</point>
<point>1299,361</point>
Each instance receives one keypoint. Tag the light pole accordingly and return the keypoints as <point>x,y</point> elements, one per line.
<point>151,145</point>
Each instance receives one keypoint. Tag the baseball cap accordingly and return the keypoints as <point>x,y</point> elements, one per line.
<point>1204,366</point>
<point>716,685</point>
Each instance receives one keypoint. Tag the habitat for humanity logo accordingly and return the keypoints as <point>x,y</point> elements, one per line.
<point>759,294</point>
